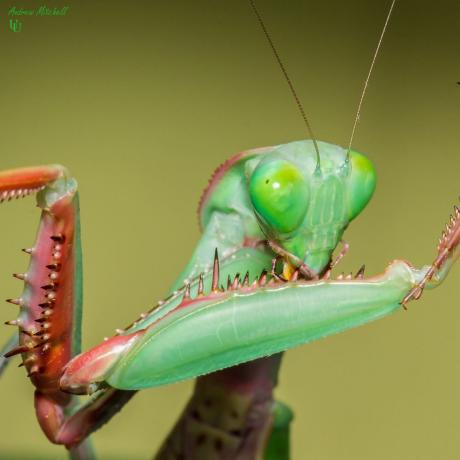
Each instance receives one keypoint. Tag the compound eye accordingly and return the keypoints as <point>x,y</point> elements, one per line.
<point>279,194</point>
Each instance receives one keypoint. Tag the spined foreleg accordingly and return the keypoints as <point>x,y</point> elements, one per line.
<point>50,308</point>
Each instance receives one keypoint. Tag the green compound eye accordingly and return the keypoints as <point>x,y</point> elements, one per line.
<point>279,194</point>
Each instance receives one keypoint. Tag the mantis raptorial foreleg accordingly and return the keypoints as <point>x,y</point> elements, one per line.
<point>50,306</point>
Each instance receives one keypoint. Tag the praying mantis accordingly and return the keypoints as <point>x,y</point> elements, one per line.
<point>353,246</point>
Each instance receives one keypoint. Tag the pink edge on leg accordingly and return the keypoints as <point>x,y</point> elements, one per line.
<point>84,372</point>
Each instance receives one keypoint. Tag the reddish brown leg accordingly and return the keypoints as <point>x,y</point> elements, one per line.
<point>49,320</point>
<point>448,242</point>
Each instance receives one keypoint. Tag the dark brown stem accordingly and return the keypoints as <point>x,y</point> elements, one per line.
<point>229,415</point>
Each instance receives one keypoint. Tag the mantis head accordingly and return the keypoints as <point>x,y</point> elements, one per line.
<point>303,210</point>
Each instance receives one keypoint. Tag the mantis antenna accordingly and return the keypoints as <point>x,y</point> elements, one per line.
<point>289,82</point>
<point>366,82</point>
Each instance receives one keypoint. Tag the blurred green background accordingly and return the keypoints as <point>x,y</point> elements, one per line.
<point>142,100</point>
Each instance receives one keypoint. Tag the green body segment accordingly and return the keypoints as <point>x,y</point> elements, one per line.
<point>228,328</point>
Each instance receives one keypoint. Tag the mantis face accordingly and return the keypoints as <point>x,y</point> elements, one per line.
<point>303,209</point>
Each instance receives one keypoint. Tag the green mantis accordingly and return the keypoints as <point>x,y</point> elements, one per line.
<point>210,255</point>
<point>262,207</point>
